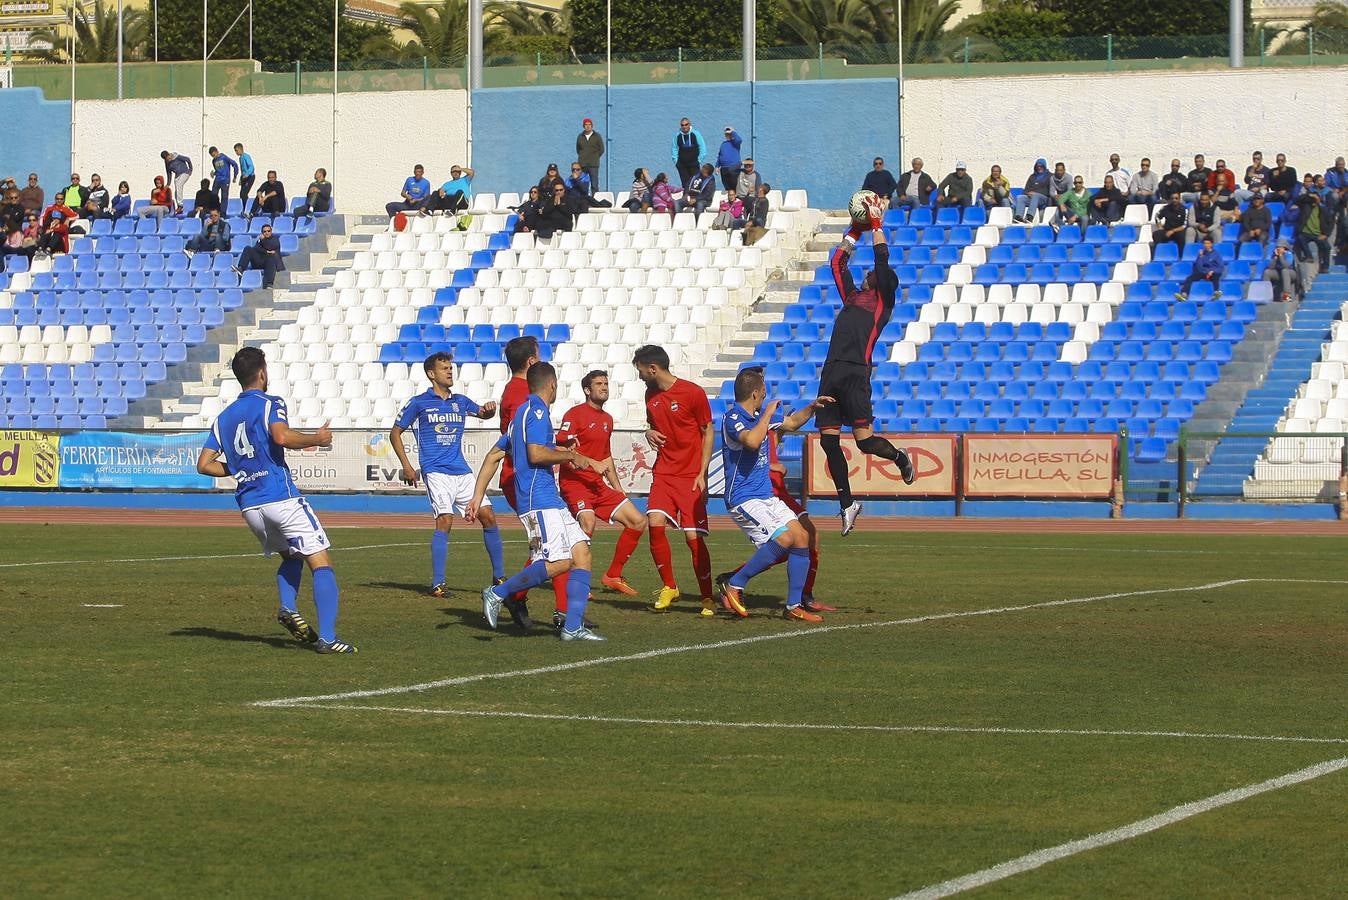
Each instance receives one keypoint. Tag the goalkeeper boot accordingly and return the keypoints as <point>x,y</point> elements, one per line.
<point>294,623</point>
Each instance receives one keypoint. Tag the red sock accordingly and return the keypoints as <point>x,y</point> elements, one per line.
<point>663,556</point>
<point>559,589</point>
<point>814,570</point>
<point>701,564</point>
<point>522,595</point>
<point>627,545</point>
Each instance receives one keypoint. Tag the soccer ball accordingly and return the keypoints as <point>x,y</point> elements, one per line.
<point>859,206</point>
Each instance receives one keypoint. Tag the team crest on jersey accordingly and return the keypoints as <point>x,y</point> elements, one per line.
<point>674,407</point>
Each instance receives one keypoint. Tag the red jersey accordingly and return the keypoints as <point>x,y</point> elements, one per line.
<point>679,413</point>
<point>591,428</point>
<point>512,398</point>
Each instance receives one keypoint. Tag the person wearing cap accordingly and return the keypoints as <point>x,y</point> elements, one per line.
<point>1282,271</point>
<point>589,150</point>
<point>728,158</point>
<point>687,151</point>
<point>1256,222</point>
<point>957,188</point>
<point>881,181</point>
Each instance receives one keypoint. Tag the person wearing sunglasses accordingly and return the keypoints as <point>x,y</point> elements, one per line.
<point>265,255</point>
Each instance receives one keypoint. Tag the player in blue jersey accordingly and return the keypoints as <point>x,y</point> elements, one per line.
<point>764,518</point>
<point>439,415</point>
<point>557,543</point>
<point>248,441</point>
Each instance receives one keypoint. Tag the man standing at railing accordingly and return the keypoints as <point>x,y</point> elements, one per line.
<point>687,151</point>
<point>589,150</point>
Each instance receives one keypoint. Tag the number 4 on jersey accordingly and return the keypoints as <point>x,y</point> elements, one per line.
<point>241,445</point>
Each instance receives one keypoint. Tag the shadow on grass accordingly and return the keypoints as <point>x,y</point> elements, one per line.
<point>204,631</point>
<point>473,619</point>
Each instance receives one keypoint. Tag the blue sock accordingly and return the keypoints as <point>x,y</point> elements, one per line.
<point>325,599</point>
<point>577,595</point>
<point>491,538</point>
<point>531,576</point>
<point>288,577</point>
<point>439,556</point>
<point>797,569</point>
<point>764,557</point>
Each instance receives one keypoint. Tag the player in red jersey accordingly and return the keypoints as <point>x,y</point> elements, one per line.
<point>591,496</point>
<point>682,434</point>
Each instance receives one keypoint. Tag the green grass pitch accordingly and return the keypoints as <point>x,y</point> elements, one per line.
<point>136,765</point>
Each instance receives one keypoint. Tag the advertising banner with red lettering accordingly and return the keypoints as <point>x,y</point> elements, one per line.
<point>1048,465</point>
<point>933,457</point>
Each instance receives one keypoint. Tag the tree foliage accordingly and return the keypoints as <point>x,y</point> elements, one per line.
<point>96,35</point>
<point>1140,18</point>
<point>643,25</point>
<point>1015,30</point>
<point>284,31</point>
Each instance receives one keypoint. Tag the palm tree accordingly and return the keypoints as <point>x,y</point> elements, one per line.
<point>814,22</point>
<point>96,36</point>
<point>439,33</point>
<point>1329,24</point>
<point>925,36</point>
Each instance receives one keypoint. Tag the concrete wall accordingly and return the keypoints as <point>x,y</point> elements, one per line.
<point>380,137</point>
<point>1081,119</point>
<point>37,138</point>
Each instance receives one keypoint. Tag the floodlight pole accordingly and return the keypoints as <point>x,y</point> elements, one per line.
<point>120,42</point>
<point>156,30</point>
<point>750,41</point>
<point>336,28</point>
<point>1236,32</point>
<point>475,45</point>
<point>71,44</point>
<point>205,16</point>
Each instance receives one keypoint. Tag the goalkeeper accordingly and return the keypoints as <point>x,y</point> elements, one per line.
<point>846,375</point>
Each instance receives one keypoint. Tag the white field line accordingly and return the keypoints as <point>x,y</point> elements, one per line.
<point>733,642</point>
<point>811,726</point>
<point>143,559</point>
<point>102,605</point>
<point>1039,858</point>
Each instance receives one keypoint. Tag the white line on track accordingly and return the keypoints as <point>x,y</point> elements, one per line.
<point>1039,858</point>
<point>102,605</point>
<point>811,726</point>
<point>735,642</point>
<point>142,559</point>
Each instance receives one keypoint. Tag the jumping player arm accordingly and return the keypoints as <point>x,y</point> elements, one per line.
<point>753,438</point>
<point>484,477</point>
<point>797,419</point>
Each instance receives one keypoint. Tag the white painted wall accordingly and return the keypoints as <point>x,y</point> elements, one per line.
<point>380,136</point>
<point>1081,119</point>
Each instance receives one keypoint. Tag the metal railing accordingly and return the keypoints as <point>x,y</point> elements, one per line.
<point>1262,466</point>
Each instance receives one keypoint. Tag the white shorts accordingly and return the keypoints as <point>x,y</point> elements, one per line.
<point>449,494</point>
<point>762,520</point>
<point>552,533</point>
<point>288,527</point>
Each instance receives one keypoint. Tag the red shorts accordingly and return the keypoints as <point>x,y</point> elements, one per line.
<point>600,499</point>
<point>508,490</point>
<point>781,493</point>
<point>682,505</point>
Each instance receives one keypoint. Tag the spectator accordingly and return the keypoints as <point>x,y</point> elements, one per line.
<point>265,254</point>
<point>1208,266</point>
<point>1336,176</point>
<point>1198,180</point>
<point>551,178</point>
<point>11,210</point>
<point>1171,221</point>
<point>97,200</point>
<point>1313,230</point>
<point>416,191</point>
<point>33,197</point>
<point>1222,186</point>
<point>1107,204</point>
<point>589,150</point>
<point>1204,220</point>
<point>1074,206</point>
<point>579,182</point>
<point>728,160</point>
<point>1035,195</point>
<point>161,201</point>
<point>687,151</point>
<point>270,199</point>
<point>731,213</point>
<point>206,200</point>
<point>55,230</point>
<point>1282,180</point>
<point>1256,178</point>
<point>214,237</point>
<point>74,195</point>
<point>178,168</point>
<point>915,187</point>
<point>747,184</point>
<point>1283,272</point>
<point>1256,222</point>
<point>701,191</point>
<point>455,195</point>
<point>1123,179</point>
<point>121,201</point>
<point>880,180</point>
<point>530,212</point>
<point>247,175</point>
<point>1142,186</point>
<point>1059,183</point>
<point>555,215</point>
<point>318,199</point>
<point>578,194</point>
<point>995,190</point>
<point>957,188</point>
<point>662,195</point>
<point>225,171</point>
<point>13,242</point>
<point>640,198</point>
<point>756,208</point>
<point>1173,183</point>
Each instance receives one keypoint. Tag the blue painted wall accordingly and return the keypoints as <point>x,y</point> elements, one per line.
<point>37,139</point>
<point>816,135</point>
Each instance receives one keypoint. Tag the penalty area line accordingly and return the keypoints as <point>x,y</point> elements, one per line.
<point>1031,861</point>
<point>733,642</point>
<point>845,727</point>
